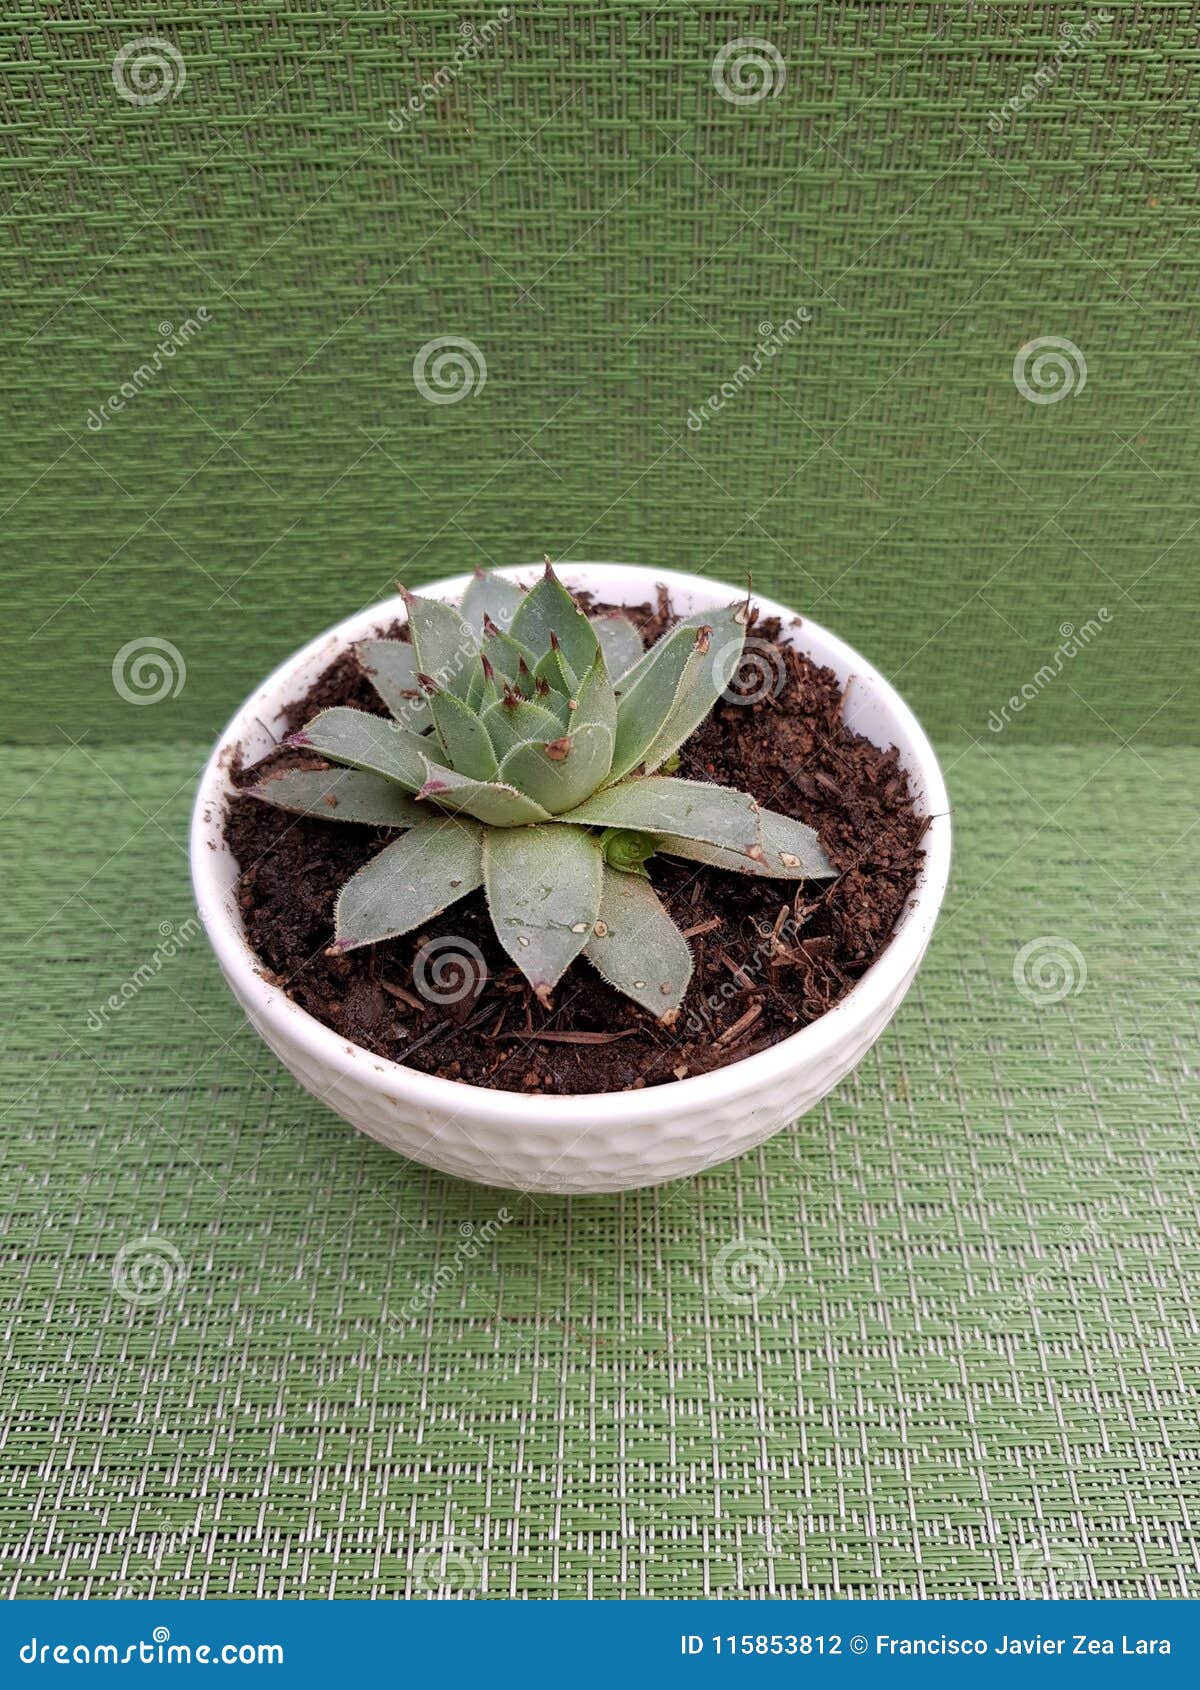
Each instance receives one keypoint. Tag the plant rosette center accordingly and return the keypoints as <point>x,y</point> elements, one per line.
<point>525,752</point>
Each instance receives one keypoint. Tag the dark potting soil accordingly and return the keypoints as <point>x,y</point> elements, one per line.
<point>770,955</point>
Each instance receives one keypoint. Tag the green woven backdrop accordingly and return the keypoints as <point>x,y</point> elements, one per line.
<point>971,1366</point>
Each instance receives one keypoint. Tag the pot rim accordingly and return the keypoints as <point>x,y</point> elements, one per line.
<point>461,1098</point>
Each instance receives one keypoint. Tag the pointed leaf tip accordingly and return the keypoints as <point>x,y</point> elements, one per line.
<point>478,573</point>
<point>300,739</point>
<point>558,750</point>
<point>428,682</point>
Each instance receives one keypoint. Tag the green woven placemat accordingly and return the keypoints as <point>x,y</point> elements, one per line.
<point>971,1368</point>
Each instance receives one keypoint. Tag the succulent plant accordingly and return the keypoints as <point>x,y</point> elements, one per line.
<point>523,755</point>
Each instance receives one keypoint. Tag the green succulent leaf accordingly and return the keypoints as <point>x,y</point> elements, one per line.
<point>367,742</point>
<point>675,690</point>
<point>696,620</point>
<point>482,689</point>
<point>628,851</point>
<point>662,804</point>
<point>595,701</point>
<point>506,656</point>
<point>565,768</point>
<point>463,737</point>
<point>637,948</point>
<point>490,802</point>
<point>557,675</point>
<point>491,596</point>
<point>445,645</point>
<point>547,609</point>
<point>510,725</point>
<point>619,641</point>
<point>391,668</point>
<point>543,891</point>
<point>561,772</point>
<point>433,865</point>
<point>790,851</point>
<point>340,795</point>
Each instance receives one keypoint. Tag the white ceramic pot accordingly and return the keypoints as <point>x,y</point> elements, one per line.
<point>600,1142</point>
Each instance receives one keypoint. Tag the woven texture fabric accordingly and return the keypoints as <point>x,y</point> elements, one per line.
<point>254,1354</point>
<point>611,233</point>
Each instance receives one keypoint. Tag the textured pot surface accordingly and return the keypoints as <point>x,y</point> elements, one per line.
<point>612,1141</point>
